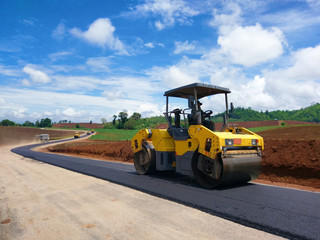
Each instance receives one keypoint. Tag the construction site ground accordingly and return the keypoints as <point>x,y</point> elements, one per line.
<point>41,201</point>
<point>291,157</point>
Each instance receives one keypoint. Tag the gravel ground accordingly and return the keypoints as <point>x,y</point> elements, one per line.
<point>40,201</point>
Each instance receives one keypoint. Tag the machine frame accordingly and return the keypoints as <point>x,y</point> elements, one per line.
<point>213,158</point>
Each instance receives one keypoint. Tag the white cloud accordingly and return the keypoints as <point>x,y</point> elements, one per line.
<point>7,71</point>
<point>149,109</point>
<point>172,76</point>
<point>100,33</point>
<point>183,47</point>
<point>26,82</point>
<point>149,45</point>
<point>228,20</point>
<point>2,101</point>
<point>59,32</point>
<point>48,114</point>
<point>19,113</point>
<point>37,76</point>
<point>59,55</point>
<point>113,94</point>
<point>252,45</point>
<point>170,12</point>
<point>297,85</point>
<point>253,94</point>
<point>28,22</point>
<point>66,105</point>
<point>99,64</point>
<point>306,65</point>
<point>70,112</point>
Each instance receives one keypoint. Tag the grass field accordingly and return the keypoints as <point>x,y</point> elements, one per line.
<point>114,134</point>
<point>260,129</point>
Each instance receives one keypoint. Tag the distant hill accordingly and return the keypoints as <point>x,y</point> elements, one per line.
<point>308,114</point>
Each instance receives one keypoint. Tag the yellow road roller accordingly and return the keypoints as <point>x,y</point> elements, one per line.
<point>192,146</point>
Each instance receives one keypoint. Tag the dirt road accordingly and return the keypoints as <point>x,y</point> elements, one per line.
<point>40,201</point>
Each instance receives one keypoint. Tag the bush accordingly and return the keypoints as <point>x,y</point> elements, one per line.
<point>7,122</point>
<point>130,124</point>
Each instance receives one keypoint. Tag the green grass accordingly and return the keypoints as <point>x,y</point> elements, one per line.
<point>113,134</point>
<point>260,129</point>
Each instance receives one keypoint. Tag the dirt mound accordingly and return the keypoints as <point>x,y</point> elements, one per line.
<point>16,135</point>
<point>292,155</point>
<point>311,132</point>
<point>82,125</point>
<point>117,150</point>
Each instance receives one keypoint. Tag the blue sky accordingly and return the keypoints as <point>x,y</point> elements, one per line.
<point>87,60</point>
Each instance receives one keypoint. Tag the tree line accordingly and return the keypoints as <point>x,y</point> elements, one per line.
<point>44,122</point>
<point>123,121</point>
<point>308,114</point>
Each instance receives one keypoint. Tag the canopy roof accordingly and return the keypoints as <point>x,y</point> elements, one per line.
<point>203,90</point>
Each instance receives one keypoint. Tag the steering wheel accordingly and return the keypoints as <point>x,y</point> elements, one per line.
<point>208,113</point>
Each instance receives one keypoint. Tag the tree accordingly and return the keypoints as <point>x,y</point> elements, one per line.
<point>123,117</point>
<point>28,124</point>
<point>103,120</point>
<point>44,122</point>
<point>77,126</point>
<point>130,124</point>
<point>7,122</point>
<point>114,120</point>
<point>91,122</point>
<point>136,116</point>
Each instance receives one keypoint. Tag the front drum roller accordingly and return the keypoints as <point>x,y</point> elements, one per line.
<point>224,171</point>
<point>145,160</point>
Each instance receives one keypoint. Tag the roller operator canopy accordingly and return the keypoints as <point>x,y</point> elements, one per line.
<point>203,90</point>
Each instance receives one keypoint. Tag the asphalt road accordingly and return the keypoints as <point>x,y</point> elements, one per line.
<point>289,213</point>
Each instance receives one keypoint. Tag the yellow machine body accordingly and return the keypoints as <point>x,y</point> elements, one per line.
<point>207,142</point>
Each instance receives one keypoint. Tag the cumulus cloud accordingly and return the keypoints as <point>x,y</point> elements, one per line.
<point>254,94</point>
<point>306,64</point>
<point>101,33</point>
<point>70,112</point>
<point>172,76</point>
<point>36,76</point>
<point>252,45</point>
<point>299,84</point>
<point>169,11</point>
<point>183,47</point>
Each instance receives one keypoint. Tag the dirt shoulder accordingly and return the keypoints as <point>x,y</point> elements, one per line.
<point>41,201</point>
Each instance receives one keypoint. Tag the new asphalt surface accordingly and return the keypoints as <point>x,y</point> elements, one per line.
<point>285,212</point>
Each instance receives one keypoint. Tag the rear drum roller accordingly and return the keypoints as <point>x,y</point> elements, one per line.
<point>145,160</point>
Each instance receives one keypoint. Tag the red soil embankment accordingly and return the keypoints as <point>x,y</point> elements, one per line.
<point>291,155</point>
<point>82,125</point>
<point>13,135</point>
